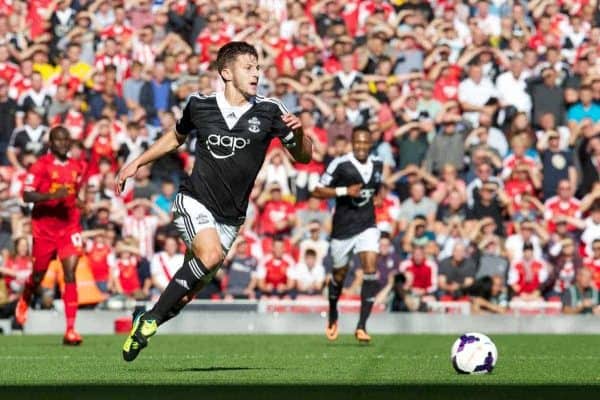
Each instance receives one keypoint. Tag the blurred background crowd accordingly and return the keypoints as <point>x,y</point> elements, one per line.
<point>485,113</point>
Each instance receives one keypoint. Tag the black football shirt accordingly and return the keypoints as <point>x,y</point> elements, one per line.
<point>227,160</point>
<point>353,215</point>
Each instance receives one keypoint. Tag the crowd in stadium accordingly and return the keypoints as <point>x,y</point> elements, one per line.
<point>486,115</point>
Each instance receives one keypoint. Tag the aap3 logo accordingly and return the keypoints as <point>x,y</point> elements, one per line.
<point>223,146</point>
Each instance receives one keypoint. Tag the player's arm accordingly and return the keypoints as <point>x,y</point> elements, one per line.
<point>323,192</point>
<point>164,145</point>
<point>31,191</point>
<point>298,144</point>
<point>328,188</point>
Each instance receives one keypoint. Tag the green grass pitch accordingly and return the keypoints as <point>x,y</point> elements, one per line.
<point>295,366</point>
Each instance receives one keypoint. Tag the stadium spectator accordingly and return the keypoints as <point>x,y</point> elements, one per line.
<point>314,240</point>
<point>443,86</point>
<point>17,267</point>
<point>388,261</point>
<point>277,215</point>
<point>8,108</point>
<point>165,198</point>
<point>309,275</point>
<point>456,273</point>
<point>165,263</point>
<point>527,232</point>
<point>142,226</point>
<point>421,274</point>
<point>490,202</point>
<point>562,269</point>
<point>99,252</point>
<point>557,165</point>
<point>490,259</point>
<point>241,267</point>
<point>526,275</point>
<point>582,297</point>
<point>275,272</point>
<point>31,137</point>
<point>591,228</point>
<point>488,295</point>
<point>417,204</point>
<point>130,277</point>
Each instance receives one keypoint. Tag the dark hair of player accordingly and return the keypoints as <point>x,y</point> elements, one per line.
<point>57,130</point>
<point>229,52</point>
<point>358,130</point>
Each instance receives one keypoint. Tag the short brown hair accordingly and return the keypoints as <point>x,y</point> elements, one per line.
<point>229,52</point>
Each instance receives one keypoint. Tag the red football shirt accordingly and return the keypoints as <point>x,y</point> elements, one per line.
<point>276,269</point>
<point>128,274</point>
<point>98,260</point>
<point>47,175</point>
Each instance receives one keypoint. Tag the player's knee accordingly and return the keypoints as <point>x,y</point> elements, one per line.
<point>211,258</point>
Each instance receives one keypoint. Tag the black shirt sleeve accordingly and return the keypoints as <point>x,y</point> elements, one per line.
<point>331,176</point>
<point>279,128</point>
<point>185,125</point>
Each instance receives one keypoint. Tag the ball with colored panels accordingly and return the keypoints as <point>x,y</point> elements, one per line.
<point>474,353</point>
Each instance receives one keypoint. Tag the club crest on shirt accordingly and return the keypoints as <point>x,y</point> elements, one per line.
<point>254,125</point>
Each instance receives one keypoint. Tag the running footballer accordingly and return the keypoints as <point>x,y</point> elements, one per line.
<point>233,129</point>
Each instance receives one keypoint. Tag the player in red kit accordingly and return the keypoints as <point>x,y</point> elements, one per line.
<point>52,185</point>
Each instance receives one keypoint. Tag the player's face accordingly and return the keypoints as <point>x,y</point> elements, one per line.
<point>245,72</point>
<point>361,145</point>
<point>60,144</point>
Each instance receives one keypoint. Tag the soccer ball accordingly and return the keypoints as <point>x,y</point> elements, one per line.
<point>474,353</point>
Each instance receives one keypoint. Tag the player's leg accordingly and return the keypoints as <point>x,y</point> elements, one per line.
<point>43,251</point>
<point>205,255</point>
<point>367,248</point>
<point>70,300</point>
<point>175,296</point>
<point>69,250</point>
<point>341,251</point>
<point>191,294</point>
<point>198,269</point>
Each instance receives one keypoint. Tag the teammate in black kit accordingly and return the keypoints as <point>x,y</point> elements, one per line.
<point>233,129</point>
<point>353,179</point>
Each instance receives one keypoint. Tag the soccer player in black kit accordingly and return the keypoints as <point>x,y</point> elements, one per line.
<point>353,179</point>
<point>233,129</point>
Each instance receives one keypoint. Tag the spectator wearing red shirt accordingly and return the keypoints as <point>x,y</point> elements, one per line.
<point>277,216</point>
<point>119,30</point>
<point>421,273</point>
<point>126,279</point>
<point>526,276</point>
<point>275,273</point>
<point>544,37</point>
<point>8,70</point>
<point>99,252</point>
<point>22,81</point>
<point>593,263</point>
<point>102,143</point>
<point>111,55</point>
<point>72,119</point>
<point>18,266</point>
<point>214,35</point>
<point>563,205</point>
<point>522,184</point>
<point>519,158</point>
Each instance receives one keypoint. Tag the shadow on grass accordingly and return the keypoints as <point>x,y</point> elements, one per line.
<point>213,369</point>
<point>294,391</point>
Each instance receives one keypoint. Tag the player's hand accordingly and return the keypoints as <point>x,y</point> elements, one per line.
<point>291,121</point>
<point>354,190</point>
<point>125,173</point>
<point>60,193</point>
